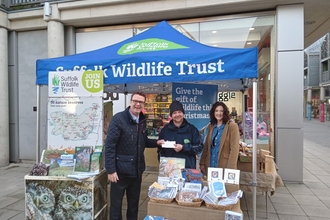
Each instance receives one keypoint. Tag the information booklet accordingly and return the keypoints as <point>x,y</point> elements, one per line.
<point>61,167</point>
<point>165,193</point>
<point>230,215</point>
<point>83,159</point>
<point>95,163</point>
<point>193,186</point>
<point>154,217</point>
<point>48,155</point>
<point>232,198</point>
<point>218,188</point>
<point>177,182</point>
<point>171,166</point>
<point>210,198</point>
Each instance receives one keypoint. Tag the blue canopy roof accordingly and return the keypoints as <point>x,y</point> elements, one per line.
<point>159,55</point>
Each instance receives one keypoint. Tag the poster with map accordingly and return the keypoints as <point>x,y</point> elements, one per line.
<point>74,122</point>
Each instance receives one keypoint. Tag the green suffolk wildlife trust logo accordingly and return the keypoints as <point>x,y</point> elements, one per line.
<point>186,141</point>
<point>55,84</point>
<point>148,45</point>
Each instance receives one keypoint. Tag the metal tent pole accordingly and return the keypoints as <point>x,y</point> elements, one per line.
<point>243,114</point>
<point>254,154</point>
<point>125,93</point>
<point>38,125</point>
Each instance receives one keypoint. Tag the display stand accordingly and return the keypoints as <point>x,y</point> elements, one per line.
<point>65,198</point>
<point>174,211</point>
<point>267,183</point>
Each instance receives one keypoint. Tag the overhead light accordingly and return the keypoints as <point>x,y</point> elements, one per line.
<point>248,43</point>
<point>214,32</point>
<point>47,9</point>
<point>252,28</point>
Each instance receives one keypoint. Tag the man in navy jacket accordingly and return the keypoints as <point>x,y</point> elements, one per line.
<point>124,157</point>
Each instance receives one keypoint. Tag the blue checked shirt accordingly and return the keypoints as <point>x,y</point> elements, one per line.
<point>215,144</point>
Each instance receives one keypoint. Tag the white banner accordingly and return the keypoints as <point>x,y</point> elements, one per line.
<point>75,83</point>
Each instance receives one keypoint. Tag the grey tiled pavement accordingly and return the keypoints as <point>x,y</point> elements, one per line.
<point>307,201</point>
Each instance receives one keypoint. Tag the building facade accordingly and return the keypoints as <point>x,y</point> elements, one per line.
<point>69,27</point>
<point>317,80</point>
<point>325,77</point>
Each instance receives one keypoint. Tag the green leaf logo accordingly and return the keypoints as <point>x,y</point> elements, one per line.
<point>148,45</point>
<point>186,141</point>
<point>56,80</point>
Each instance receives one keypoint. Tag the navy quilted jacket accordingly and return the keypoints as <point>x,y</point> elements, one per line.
<point>187,135</point>
<point>125,144</point>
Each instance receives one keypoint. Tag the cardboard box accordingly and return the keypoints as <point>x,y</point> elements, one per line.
<point>264,152</point>
<point>248,159</point>
<point>245,159</point>
<point>263,146</point>
<point>269,164</point>
<point>175,212</point>
<point>247,166</point>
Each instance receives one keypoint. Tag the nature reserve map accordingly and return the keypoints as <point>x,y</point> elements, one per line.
<point>74,122</point>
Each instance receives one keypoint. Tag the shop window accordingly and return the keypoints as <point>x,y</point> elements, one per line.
<point>157,112</point>
<point>325,47</point>
<point>327,91</point>
<point>325,66</point>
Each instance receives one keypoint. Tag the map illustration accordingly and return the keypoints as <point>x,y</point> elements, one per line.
<point>72,126</point>
<point>74,122</point>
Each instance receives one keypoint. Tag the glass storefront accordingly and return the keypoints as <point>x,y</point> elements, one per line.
<point>327,110</point>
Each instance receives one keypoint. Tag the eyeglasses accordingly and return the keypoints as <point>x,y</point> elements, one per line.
<point>137,101</point>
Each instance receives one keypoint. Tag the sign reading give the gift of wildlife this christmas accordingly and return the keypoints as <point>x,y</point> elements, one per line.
<point>75,83</point>
<point>197,101</point>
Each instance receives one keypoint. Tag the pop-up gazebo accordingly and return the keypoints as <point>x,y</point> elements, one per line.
<point>154,59</point>
<point>163,55</point>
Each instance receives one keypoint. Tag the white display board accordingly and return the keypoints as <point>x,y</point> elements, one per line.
<point>75,83</point>
<point>75,121</point>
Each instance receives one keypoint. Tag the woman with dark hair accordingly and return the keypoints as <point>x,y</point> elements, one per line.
<point>221,140</point>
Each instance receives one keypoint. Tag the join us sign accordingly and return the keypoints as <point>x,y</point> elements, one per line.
<point>75,109</point>
<point>75,83</point>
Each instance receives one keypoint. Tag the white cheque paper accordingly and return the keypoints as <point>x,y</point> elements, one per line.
<point>168,144</point>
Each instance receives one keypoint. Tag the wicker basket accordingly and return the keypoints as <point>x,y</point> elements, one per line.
<point>161,200</point>
<point>218,207</point>
<point>194,203</point>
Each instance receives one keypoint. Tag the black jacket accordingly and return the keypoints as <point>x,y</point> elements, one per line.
<point>187,135</point>
<point>125,144</point>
